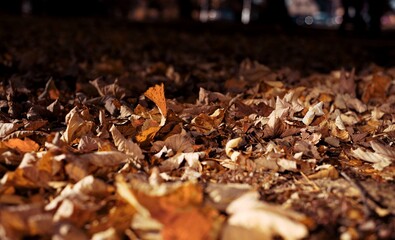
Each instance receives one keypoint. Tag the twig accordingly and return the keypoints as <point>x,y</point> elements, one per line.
<point>365,195</point>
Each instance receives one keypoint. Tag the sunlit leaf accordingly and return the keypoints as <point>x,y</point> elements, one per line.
<point>253,219</point>
<point>26,145</point>
<point>126,146</point>
<point>157,95</point>
<point>7,128</point>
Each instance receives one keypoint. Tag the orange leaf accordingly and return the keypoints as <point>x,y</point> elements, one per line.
<point>147,134</point>
<point>157,95</point>
<point>26,145</point>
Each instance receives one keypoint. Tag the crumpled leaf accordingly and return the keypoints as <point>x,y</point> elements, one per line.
<point>177,143</point>
<point>381,158</point>
<point>254,219</point>
<point>7,128</point>
<point>354,103</point>
<point>208,123</point>
<point>83,190</point>
<point>149,130</point>
<point>281,109</point>
<point>314,111</point>
<point>76,126</point>
<point>126,146</point>
<point>32,172</point>
<point>325,171</point>
<point>175,161</point>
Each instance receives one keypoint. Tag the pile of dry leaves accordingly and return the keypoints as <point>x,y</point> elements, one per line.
<point>276,156</point>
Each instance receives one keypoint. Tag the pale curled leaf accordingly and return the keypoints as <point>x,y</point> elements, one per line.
<point>314,111</point>
<point>281,109</point>
<point>76,126</point>
<point>230,145</point>
<point>109,234</point>
<point>253,219</point>
<point>125,145</point>
<point>379,161</point>
<point>355,103</point>
<point>339,123</point>
<point>383,150</point>
<point>7,128</point>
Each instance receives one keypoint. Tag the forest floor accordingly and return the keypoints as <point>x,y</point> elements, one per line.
<point>113,130</point>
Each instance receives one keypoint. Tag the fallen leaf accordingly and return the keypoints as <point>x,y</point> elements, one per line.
<point>254,219</point>
<point>50,91</point>
<point>126,146</point>
<point>7,128</point>
<point>157,95</point>
<point>26,145</point>
<point>314,111</point>
<point>376,88</point>
<point>379,161</point>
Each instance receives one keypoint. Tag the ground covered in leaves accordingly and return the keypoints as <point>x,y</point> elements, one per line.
<point>117,131</point>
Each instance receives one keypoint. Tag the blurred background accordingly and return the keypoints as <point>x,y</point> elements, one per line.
<point>314,13</point>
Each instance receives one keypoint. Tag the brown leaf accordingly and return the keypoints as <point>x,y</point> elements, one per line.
<point>347,83</point>
<point>50,91</point>
<point>34,125</point>
<point>208,123</point>
<point>105,159</point>
<point>76,126</point>
<point>377,88</point>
